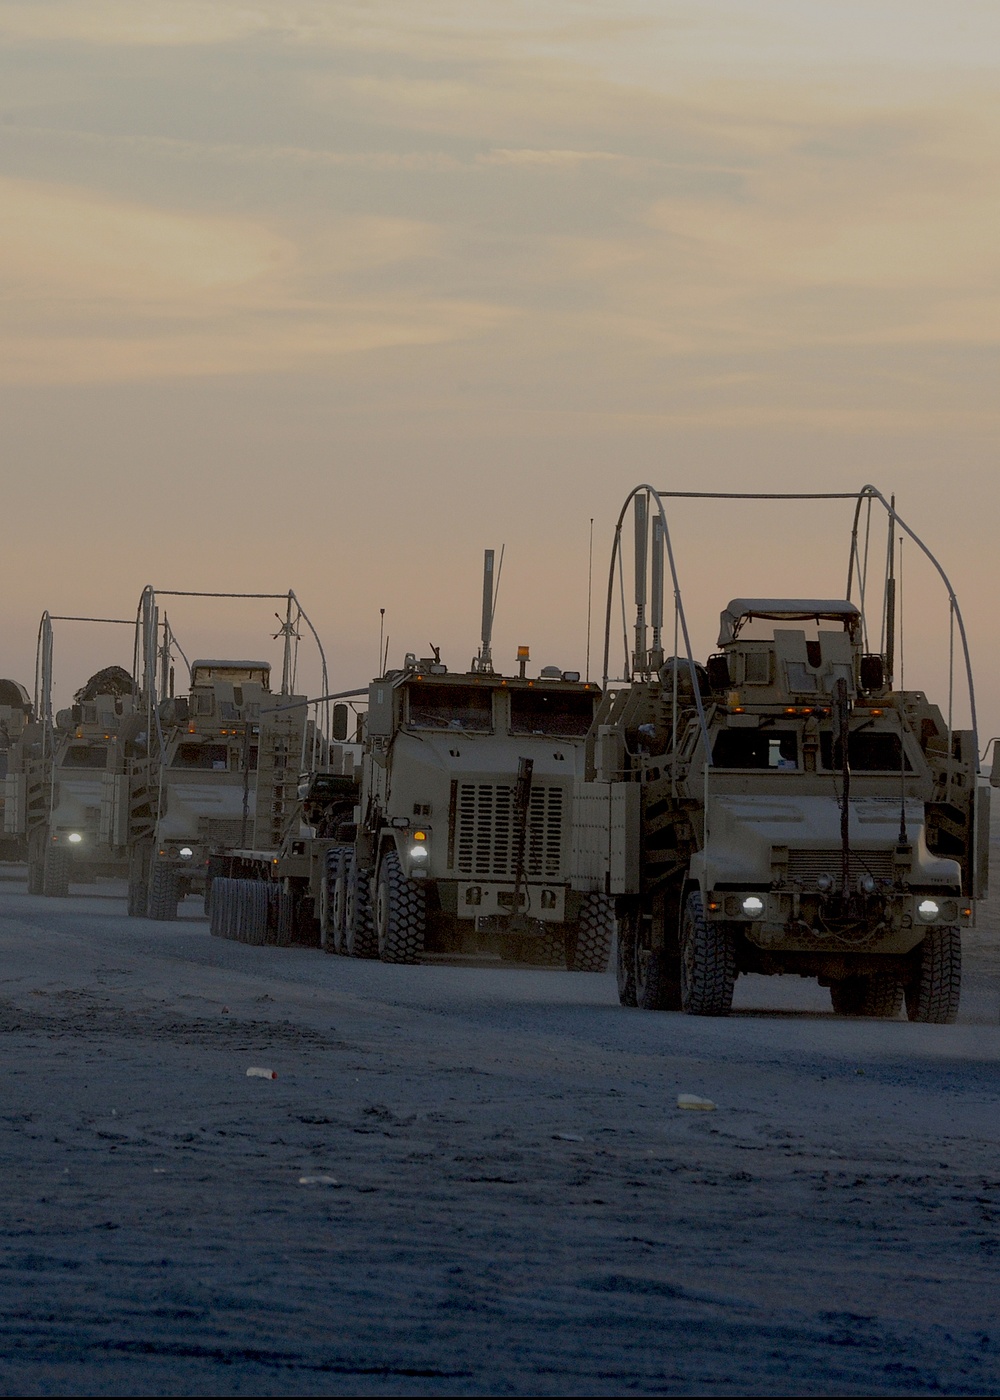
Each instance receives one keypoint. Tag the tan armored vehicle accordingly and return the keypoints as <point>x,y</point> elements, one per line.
<point>219,768</point>
<point>58,770</point>
<point>15,716</point>
<point>783,809</point>
<point>453,835</point>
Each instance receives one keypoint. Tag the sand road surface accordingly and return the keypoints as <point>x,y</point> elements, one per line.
<point>476,1181</point>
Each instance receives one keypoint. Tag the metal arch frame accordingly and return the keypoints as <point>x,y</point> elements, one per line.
<point>866,493</point>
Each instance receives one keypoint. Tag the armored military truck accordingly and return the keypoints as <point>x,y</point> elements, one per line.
<point>15,716</point>
<point>464,840</point>
<point>56,785</point>
<point>214,768</point>
<point>460,842</point>
<point>783,809</point>
<point>221,771</point>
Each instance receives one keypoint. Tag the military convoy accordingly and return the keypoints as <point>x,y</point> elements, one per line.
<point>782,808</point>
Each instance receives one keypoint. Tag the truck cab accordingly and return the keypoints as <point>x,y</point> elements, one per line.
<point>466,807</point>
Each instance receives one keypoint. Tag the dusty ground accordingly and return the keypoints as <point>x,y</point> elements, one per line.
<point>514,1203</point>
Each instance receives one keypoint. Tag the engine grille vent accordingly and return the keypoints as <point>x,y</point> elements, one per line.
<point>221,831</point>
<point>485,831</point>
<point>805,866</point>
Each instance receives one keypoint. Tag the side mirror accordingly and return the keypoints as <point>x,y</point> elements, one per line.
<point>718,672</point>
<point>872,672</point>
<point>340,717</point>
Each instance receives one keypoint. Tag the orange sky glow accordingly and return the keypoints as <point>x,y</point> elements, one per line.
<point>333,296</point>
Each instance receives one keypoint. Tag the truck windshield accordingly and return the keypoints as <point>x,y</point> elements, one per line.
<point>868,751</point>
<point>451,707</point>
<point>565,713</point>
<point>86,756</point>
<point>756,748</point>
<point>210,756</point>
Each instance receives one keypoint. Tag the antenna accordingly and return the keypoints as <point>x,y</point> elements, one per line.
<point>381,640</point>
<point>590,591</point>
<point>890,595</point>
<point>656,602</point>
<point>641,540</point>
<point>484,661</point>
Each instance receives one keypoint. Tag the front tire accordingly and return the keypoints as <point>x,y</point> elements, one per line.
<point>400,913</point>
<point>934,992</point>
<point>708,962</point>
<point>55,872</point>
<point>163,893</point>
<point>359,926</point>
<point>595,933</point>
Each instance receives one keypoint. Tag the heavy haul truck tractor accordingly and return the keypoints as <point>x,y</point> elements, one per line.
<point>456,839</point>
<point>784,808</point>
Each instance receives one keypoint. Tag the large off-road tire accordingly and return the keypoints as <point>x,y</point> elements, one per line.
<point>219,919</point>
<point>547,951</point>
<point>281,915</point>
<point>36,865</point>
<point>656,972</point>
<point>625,958</point>
<point>595,933</point>
<point>163,893</point>
<point>400,911</point>
<point>360,940</point>
<point>326,912</point>
<point>878,995</point>
<point>708,962</point>
<point>55,872</point>
<point>338,902</point>
<point>936,988</point>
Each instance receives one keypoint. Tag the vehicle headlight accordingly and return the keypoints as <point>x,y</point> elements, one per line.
<point>866,884</point>
<point>753,907</point>
<point>74,837</point>
<point>824,883</point>
<point>185,853</point>
<point>418,852</point>
<point>928,910</point>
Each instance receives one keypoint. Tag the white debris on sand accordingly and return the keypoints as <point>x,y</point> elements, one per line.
<point>828,1233</point>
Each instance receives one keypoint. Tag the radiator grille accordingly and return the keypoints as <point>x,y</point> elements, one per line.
<point>485,831</point>
<point>221,831</point>
<point>805,866</point>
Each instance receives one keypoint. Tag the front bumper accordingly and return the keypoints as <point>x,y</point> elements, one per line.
<point>892,921</point>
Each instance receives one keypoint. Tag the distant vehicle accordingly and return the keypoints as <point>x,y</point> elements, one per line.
<point>783,808</point>
<point>219,766</point>
<point>15,716</point>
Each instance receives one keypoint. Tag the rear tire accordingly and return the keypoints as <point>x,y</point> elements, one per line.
<point>595,933</point>
<point>878,995</point>
<point>328,931</point>
<point>400,911</point>
<point>36,865</point>
<point>55,872</point>
<point>655,971</point>
<point>360,940</point>
<point>281,915</point>
<point>708,962</point>
<point>163,893</point>
<point>934,993</point>
<point>625,958</point>
<point>218,920</point>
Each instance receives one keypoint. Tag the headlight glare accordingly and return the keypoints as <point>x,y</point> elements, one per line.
<point>753,907</point>
<point>928,909</point>
<point>74,837</point>
<point>185,853</point>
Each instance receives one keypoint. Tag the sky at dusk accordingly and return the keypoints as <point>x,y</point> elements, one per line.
<point>332,296</point>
